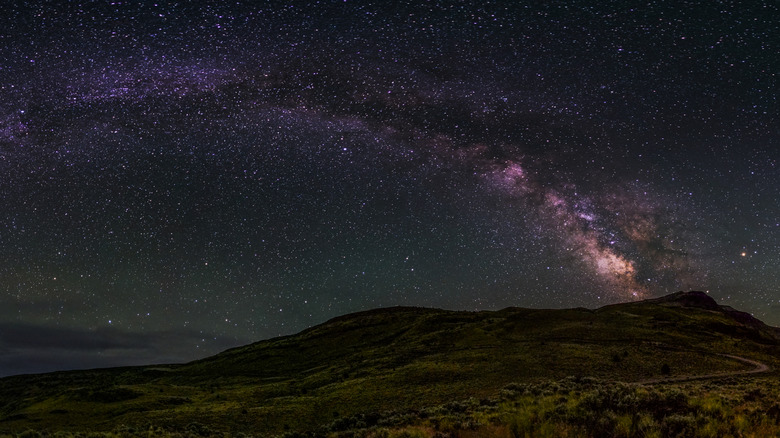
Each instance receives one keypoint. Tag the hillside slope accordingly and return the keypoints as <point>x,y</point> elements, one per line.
<point>395,359</point>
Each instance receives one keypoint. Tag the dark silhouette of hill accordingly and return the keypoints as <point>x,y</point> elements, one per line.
<point>702,300</point>
<point>396,358</point>
<point>687,299</point>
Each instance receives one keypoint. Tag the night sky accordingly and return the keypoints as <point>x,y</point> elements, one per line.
<point>180,178</point>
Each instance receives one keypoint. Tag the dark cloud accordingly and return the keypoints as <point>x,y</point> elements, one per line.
<point>29,348</point>
<point>14,336</point>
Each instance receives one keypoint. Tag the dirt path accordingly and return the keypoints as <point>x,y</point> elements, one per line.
<point>759,368</point>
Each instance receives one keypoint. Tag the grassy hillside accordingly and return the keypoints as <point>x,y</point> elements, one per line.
<point>388,361</point>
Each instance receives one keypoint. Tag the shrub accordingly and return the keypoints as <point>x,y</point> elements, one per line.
<point>198,429</point>
<point>678,426</point>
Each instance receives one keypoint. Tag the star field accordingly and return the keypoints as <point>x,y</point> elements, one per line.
<point>180,178</point>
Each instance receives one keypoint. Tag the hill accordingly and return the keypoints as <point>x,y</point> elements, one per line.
<point>395,360</point>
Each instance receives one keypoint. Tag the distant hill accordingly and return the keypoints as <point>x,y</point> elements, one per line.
<point>394,359</point>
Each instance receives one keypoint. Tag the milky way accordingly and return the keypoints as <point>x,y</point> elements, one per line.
<point>179,178</point>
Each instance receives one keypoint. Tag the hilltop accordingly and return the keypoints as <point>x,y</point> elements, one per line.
<point>396,359</point>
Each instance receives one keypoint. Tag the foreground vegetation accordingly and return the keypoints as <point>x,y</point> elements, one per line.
<point>395,372</point>
<point>571,407</point>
